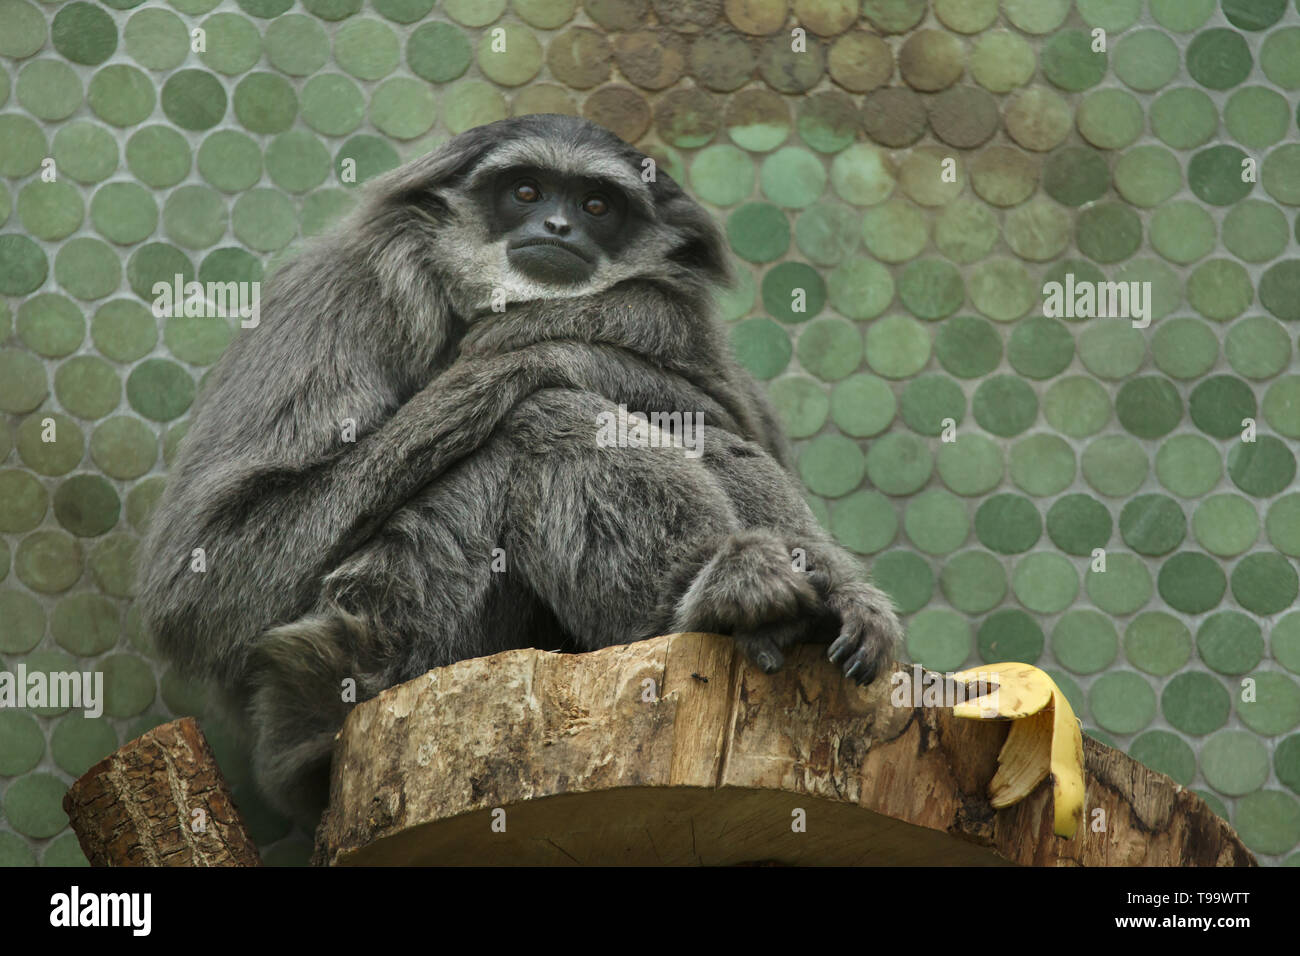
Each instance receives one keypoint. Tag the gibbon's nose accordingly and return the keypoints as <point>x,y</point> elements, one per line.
<point>557,224</point>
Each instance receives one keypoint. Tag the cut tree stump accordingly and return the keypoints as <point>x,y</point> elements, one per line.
<point>159,801</point>
<point>677,751</point>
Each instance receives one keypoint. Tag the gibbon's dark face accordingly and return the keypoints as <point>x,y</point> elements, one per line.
<point>557,227</point>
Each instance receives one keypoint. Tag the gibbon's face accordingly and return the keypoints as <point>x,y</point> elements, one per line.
<point>557,227</point>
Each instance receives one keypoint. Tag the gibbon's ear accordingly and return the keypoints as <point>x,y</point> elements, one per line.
<point>701,251</point>
<point>419,182</point>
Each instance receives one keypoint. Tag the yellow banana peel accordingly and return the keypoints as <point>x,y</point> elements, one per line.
<point>1044,738</point>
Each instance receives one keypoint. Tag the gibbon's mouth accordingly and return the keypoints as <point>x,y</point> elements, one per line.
<point>548,241</point>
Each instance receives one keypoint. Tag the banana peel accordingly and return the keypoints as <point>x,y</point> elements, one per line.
<point>1044,738</point>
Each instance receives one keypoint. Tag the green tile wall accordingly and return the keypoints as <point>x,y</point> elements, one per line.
<point>127,156</point>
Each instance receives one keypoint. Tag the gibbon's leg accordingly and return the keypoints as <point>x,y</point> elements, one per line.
<point>623,543</point>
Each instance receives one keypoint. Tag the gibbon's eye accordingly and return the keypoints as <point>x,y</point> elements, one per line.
<point>595,206</point>
<point>526,191</point>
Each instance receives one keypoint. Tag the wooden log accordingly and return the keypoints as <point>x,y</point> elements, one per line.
<point>677,751</point>
<point>160,800</point>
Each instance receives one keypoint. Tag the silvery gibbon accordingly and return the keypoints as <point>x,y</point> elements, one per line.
<point>399,466</point>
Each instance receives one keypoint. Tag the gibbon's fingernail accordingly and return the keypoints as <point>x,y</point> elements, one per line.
<point>852,672</point>
<point>843,644</point>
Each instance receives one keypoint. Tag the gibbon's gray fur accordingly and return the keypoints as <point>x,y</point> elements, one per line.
<point>372,559</point>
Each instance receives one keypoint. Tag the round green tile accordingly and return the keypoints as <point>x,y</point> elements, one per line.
<point>860,61</point>
<point>83,33</point>
<point>234,44</point>
<point>1078,524</point>
<point>1001,289</point>
<point>199,340</point>
<point>1195,703</point>
<point>124,213</point>
<point>22,744</point>
<point>1191,582</point>
<point>828,122</point>
<point>85,151</point>
<point>964,116</point>
<point>724,61</point>
<point>936,521</point>
<point>1069,61</point>
<point>298,45</point>
<point>298,161</point>
<point>1265,583</point>
<point>1184,348</point>
<point>862,405</point>
<point>1257,117</point>
<point>938,639</point>
<point>724,175</point>
<point>758,232</point>
<point>1076,406</point>
<point>1219,404</point>
<point>1255,231</point>
<point>1183,232</point>
<point>1279,57</point>
<point>968,346</point>
<point>1003,176</point>
<point>332,104</point>
<point>1157,643</point>
<point>1219,59</point>
<point>1254,14</point>
<point>1188,465</point>
<point>194,216</point>
<point>1004,405</point>
<point>864,522</point>
<point>22,624</point>
<point>1184,118</point>
<point>1002,60</point>
<point>1148,175</point>
<point>1283,525</point>
<point>1152,524</point>
<point>158,156</point>
<point>1234,762</point>
<point>263,219</point>
<point>929,400</point>
<point>1230,642</point>
<point>966,16</point>
<point>365,157</point>
<point>896,346</point>
<point>51,325</point>
<point>1008,524</point>
<point>23,385</point>
<point>758,120</point>
<point>159,389</point>
<point>1278,287</point>
<point>1112,16</point>
<point>971,466</point>
<point>1042,464</point>
<point>79,742</point>
<point>1148,406</point>
<point>1038,230</point>
<point>1225,525</point>
<point>1076,175</point>
<point>509,55</point>
<point>801,403</point>
<point>894,231</point>
<point>1115,465</point>
<point>193,99</point>
<point>1286,761</point>
<point>230,160</point>
<point>123,447</point>
<point>1146,60</point>
<point>85,624</point>
<point>123,330</point>
<point>1108,232</point>
<point>1110,119</point>
<point>1122,588</point>
<point>48,89</point>
<point>826,233</point>
<point>1122,702</point>
<point>1036,16</point>
<point>143,500</point>
<point>88,268</point>
<point>1263,467</point>
<point>762,346</point>
<point>830,348</point>
<point>899,463</point>
<point>50,210</point>
<point>24,29</point>
<point>1045,582</point>
<point>1268,821</point>
<point>367,49</point>
<point>129,685</point>
<point>792,177</point>
<point>265,103</point>
<point>862,175</point>
<point>49,443</point>
<point>965,231</point>
<point>1038,119</point>
<point>87,386</point>
<point>832,465</point>
<point>1282,406</point>
<point>1165,753</point>
<point>24,503</point>
<point>860,288</point>
<point>48,561</point>
<point>931,289</point>
<point>1010,635</point>
<point>25,145</point>
<point>33,805</point>
<point>931,60</point>
<point>1215,175</point>
<point>787,70</point>
<point>1112,348</point>
<point>112,568</point>
<point>973,582</point>
<point>1084,641</point>
<point>906,577</point>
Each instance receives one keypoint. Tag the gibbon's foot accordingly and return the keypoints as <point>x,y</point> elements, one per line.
<point>869,630</point>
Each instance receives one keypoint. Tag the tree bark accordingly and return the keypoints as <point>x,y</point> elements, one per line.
<point>159,801</point>
<point>677,751</point>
